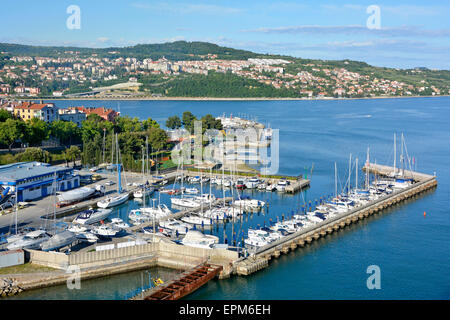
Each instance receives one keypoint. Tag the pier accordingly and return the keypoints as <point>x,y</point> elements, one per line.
<point>260,258</point>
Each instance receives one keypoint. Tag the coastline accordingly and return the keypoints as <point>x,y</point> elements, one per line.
<point>218,99</point>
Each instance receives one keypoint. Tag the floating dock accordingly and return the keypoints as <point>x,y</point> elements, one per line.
<point>187,283</point>
<point>261,257</point>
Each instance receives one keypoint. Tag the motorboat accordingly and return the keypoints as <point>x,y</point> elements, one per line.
<point>176,226</point>
<point>194,238</point>
<point>281,185</point>
<point>59,240</point>
<point>92,216</point>
<point>199,221</point>
<point>87,237</point>
<point>262,186</point>
<point>119,223</point>
<point>145,191</point>
<point>191,191</point>
<point>185,202</point>
<point>240,184</point>
<point>106,231</point>
<point>271,187</point>
<point>31,240</point>
<point>252,183</point>
<point>249,204</point>
<point>113,201</point>
<point>256,242</point>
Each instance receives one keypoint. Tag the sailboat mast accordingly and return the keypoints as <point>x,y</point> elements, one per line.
<point>402,156</point>
<point>368,169</point>
<point>356,179</point>
<point>335,179</point>
<point>395,154</point>
<point>349,173</point>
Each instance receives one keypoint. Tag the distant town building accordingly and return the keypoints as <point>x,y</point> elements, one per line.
<point>72,114</point>
<point>107,114</point>
<point>47,112</point>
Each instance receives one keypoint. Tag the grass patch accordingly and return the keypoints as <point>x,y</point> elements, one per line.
<point>26,268</point>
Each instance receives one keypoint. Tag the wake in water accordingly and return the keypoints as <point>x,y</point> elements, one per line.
<point>353,116</point>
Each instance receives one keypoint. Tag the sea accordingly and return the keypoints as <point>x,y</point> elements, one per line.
<point>409,243</point>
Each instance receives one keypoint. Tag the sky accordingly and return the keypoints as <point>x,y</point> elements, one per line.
<point>410,33</point>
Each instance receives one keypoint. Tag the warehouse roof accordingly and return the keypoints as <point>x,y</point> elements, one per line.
<point>24,170</point>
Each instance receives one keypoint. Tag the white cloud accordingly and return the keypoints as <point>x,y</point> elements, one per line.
<point>103,39</point>
<point>403,31</point>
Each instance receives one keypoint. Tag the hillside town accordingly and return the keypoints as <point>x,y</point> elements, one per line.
<point>27,76</point>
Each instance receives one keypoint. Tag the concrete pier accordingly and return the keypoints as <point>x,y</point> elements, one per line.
<point>423,182</point>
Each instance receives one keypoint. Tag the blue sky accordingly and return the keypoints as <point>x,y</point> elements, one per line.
<point>413,33</point>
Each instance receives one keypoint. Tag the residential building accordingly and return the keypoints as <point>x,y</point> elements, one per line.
<point>47,112</point>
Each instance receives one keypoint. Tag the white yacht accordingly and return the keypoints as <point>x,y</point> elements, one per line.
<point>252,183</point>
<point>199,221</point>
<point>113,201</point>
<point>59,240</point>
<point>281,185</point>
<point>185,202</point>
<point>92,216</point>
<point>145,191</point>
<point>31,240</point>
<point>199,240</point>
<point>176,226</point>
<point>87,237</point>
<point>105,231</point>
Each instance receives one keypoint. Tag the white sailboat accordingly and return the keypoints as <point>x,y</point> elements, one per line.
<point>120,198</point>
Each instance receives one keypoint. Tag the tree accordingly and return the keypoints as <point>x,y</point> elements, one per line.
<point>5,115</point>
<point>157,138</point>
<point>209,122</point>
<point>34,154</point>
<point>72,154</point>
<point>10,131</point>
<point>173,122</point>
<point>150,123</point>
<point>66,131</point>
<point>188,121</point>
<point>36,131</point>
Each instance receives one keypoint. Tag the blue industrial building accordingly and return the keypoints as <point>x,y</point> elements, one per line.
<point>33,180</point>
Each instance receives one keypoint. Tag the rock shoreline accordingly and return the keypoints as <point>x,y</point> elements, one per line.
<point>9,287</point>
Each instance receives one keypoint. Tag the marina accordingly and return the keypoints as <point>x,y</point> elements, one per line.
<point>281,206</point>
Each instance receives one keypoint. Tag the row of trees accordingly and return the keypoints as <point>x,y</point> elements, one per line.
<point>98,137</point>
<point>188,122</point>
<point>33,132</point>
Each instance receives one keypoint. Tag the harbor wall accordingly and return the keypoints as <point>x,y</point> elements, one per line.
<point>167,254</point>
<point>260,259</point>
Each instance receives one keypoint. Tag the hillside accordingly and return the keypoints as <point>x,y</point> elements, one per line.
<point>201,69</point>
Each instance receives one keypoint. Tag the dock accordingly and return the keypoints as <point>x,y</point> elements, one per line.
<point>186,283</point>
<point>260,258</point>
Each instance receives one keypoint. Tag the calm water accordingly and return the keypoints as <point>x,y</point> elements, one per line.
<point>412,251</point>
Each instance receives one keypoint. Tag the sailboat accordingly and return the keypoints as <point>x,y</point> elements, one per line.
<point>120,198</point>
<point>146,189</point>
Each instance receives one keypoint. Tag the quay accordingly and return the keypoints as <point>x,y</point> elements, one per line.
<point>296,183</point>
<point>260,258</point>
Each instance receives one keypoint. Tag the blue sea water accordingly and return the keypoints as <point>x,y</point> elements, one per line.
<point>412,250</point>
